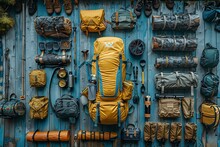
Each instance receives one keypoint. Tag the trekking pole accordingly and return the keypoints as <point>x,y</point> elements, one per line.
<point>75,60</point>
<point>73,143</point>
<point>23,53</point>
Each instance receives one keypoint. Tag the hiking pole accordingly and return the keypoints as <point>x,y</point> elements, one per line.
<point>72,143</point>
<point>75,61</point>
<point>23,52</point>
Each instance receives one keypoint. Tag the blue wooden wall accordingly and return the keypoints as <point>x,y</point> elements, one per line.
<point>13,131</point>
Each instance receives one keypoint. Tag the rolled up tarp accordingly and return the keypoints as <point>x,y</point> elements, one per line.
<point>180,22</point>
<point>90,135</point>
<point>175,43</point>
<point>176,80</point>
<point>63,135</point>
<point>176,62</point>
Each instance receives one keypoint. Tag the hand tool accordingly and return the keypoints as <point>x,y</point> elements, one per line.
<point>142,64</point>
<point>135,74</point>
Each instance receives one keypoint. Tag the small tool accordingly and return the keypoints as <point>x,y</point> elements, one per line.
<point>135,74</point>
<point>142,64</point>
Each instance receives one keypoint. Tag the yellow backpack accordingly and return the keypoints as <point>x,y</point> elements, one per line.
<point>210,114</point>
<point>113,92</point>
<point>92,21</point>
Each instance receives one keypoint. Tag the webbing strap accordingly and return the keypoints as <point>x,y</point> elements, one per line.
<point>116,19</point>
<point>164,22</point>
<point>190,19</point>
<point>162,84</point>
<point>184,46</point>
<point>192,87</point>
<point>175,22</point>
<point>88,67</point>
<point>97,114</point>
<point>120,69</point>
<point>34,134</point>
<point>97,70</point>
<point>132,20</point>
<point>119,114</point>
<point>174,44</point>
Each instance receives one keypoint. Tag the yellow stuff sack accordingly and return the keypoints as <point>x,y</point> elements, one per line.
<point>38,107</point>
<point>113,92</point>
<point>209,114</point>
<point>37,78</point>
<point>92,21</point>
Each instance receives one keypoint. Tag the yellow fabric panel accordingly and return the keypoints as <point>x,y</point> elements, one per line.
<point>38,107</point>
<point>208,114</point>
<point>108,49</point>
<point>92,20</point>
<point>109,112</point>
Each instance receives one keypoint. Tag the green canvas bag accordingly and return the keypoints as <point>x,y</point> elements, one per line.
<point>210,57</point>
<point>209,85</point>
<point>123,19</point>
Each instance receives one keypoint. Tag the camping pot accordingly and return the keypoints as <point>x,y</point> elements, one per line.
<point>12,108</point>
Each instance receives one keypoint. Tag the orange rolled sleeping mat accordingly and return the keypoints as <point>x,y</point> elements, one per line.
<point>90,135</point>
<point>48,136</point>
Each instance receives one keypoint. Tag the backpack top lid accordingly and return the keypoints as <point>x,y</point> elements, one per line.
<point>108,66</point>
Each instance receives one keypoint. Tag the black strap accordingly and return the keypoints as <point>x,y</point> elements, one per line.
<point>13,94</point>
<point>91,135</point>
<point>53,73</point>
<point>34,134</point>
<point>48,135</point>
<point>59,136</point>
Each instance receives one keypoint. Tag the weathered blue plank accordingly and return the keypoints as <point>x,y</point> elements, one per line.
<point>19,123</point>
<point>2,126</point>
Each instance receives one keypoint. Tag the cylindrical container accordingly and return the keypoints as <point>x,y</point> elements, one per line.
<point>181,22</point>
<point>147,106</point>
<point>92,88</point>
<point>176,62</point>
<point>180,43</point>
<point>89,135</point>
<point>52,59</point>
<point>70,80</point>
<point>48,136</point>
<point>12,108</point>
